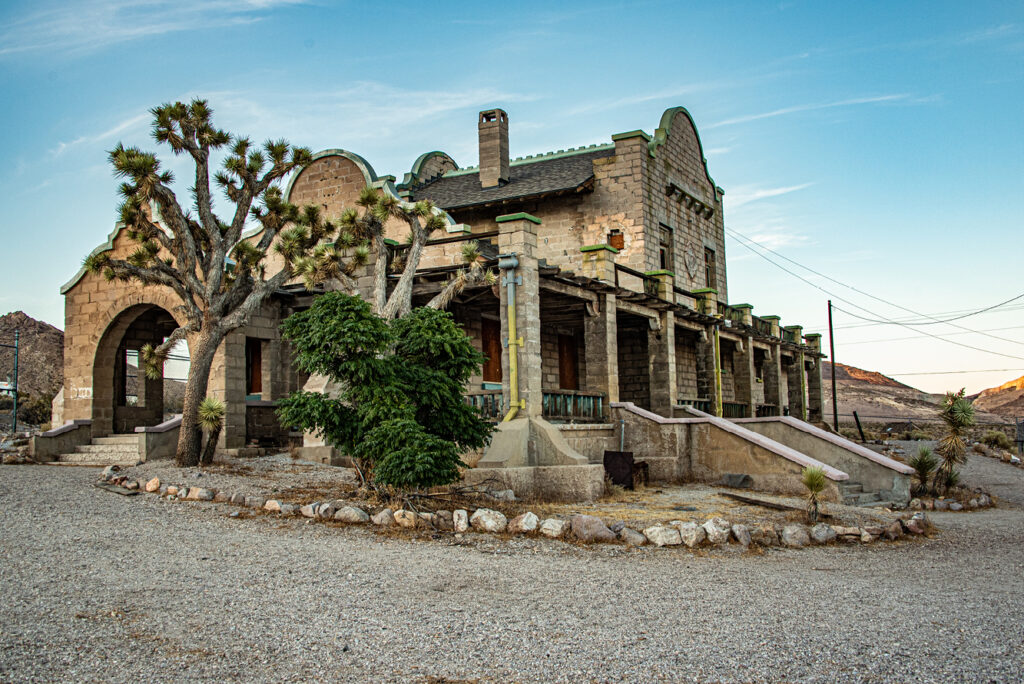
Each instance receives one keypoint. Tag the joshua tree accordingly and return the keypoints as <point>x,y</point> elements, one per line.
<point>211,420</point>
<point>924,463</point>
<point>186,249</point>
<point>958,415</point>
<point>813,479</point>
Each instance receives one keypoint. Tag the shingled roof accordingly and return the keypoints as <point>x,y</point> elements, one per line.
<point>557,173</point>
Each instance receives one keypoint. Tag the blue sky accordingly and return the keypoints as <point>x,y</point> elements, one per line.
<point>877,143</point>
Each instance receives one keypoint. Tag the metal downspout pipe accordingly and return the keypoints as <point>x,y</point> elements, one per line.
<point>508,263</point>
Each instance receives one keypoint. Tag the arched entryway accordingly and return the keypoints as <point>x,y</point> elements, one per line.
<point>123,397</point>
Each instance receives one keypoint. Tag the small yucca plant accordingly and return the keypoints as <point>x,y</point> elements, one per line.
<point>924,464</point>
<point>211,420</point>
<point>813,479</point>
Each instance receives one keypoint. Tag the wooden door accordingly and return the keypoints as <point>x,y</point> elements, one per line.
<point>490,334</point>
<point>568,363</point>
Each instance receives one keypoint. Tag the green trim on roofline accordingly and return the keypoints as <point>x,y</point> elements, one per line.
<point>771,318</point>
<point>661,134</point>
<point>661,272</point>
<point>413,176</point>
<point>706,290</point>
<point>369,175</point>
<point>742,306</point>
<point>389,241</point>
<point>598,248</point>
<point>531,158</point>
<point>521,216</point>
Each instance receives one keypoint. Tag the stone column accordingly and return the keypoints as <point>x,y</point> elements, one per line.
<point>661,346</point>
<point>772,380</point>
<point>796,381</point>
<point>815,397</point>
<point>601,349</point>
<point>709,370</point>
<point>227,383</point>
<point>743,368</point>
<point>518,236</point>
<point>599,262</point>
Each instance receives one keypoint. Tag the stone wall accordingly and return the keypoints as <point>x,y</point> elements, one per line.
<point>634,364</point>
<point>686,364</point>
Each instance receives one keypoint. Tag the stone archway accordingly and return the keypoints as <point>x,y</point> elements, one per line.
<point>123,398</point>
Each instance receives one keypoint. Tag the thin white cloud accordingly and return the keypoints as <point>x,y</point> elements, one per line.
<point>95,24</point>
<point>123,127</point>
<point>895,97</point>
<point>741,195</point>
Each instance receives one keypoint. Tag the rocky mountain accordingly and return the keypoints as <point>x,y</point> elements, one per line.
<point>1007,400</point>
<point>878,398</point>
<point>40,355</point>
<point>41,361</point>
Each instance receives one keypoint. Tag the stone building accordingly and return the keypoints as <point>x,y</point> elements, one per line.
<point>611,326</point>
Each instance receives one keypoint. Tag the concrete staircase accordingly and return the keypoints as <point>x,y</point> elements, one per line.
<point>121,450</point>
<point>854,495</point>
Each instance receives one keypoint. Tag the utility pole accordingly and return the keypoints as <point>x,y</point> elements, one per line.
<point>832,358</point>
<point>14,421</point>
<point>14,428</point>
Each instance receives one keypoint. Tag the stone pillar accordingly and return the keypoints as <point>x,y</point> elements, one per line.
<point>709,379</point>
<point>661,346</point>
<point>745,375</point>
<point>599,262</point>
<point>815,397</point>
<point>227,383</point>
<point>518,236</point>
<point>601,348</point>
<point>772,380</point>
<point>796,380</point>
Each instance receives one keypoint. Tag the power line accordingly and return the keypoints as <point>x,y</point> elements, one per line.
<point>917,337</point>
<point>884,301</point>
<point>933,321</point>
<point>857,306</point>
<point>911,319</point>
<point>957,372</point>
<point>959,344</point>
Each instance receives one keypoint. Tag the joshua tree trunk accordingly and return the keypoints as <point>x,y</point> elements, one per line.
<point>211,446</point>
<point>190,437</point>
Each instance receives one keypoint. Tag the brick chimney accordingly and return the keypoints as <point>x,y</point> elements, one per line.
<point>493,130</point>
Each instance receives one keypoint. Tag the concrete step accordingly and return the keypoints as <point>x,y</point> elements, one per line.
<point>93,459</point>
<point>116,439</point>
<point>107,449</point>
<point>851,487</point>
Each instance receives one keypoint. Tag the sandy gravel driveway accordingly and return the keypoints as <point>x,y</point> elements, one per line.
<point>99,587</point>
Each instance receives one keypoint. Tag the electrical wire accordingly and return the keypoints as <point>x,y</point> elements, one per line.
<point>917,337</point>
<point>857,306</point>
<point>934,320</point>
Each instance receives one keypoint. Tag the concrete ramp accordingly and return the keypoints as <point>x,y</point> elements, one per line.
<point>873,477</point>
<point>704,448</point>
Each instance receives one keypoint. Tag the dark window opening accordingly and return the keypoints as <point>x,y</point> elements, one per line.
<point>710,275</point>
<point>490,338</point>
<point>253,365</point>
<point>568,363</point>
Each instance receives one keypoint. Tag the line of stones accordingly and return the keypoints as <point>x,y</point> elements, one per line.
<point>585,528</point>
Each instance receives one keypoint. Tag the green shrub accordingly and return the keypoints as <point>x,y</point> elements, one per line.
<point>997,439</point>
<point>399,409</point>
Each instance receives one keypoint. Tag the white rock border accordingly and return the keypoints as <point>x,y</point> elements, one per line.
<point>714,532</point>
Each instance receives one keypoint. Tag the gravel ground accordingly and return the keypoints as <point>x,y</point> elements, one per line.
<point>100,587</point>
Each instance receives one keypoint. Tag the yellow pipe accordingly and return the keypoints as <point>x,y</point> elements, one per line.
<point>718,373</point>
<point>509,262</point>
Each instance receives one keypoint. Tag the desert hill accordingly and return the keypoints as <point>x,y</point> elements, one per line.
<point>40,356</point>
<point>878,398</point>
<point>41,360</point>
<point>1007,400</point>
